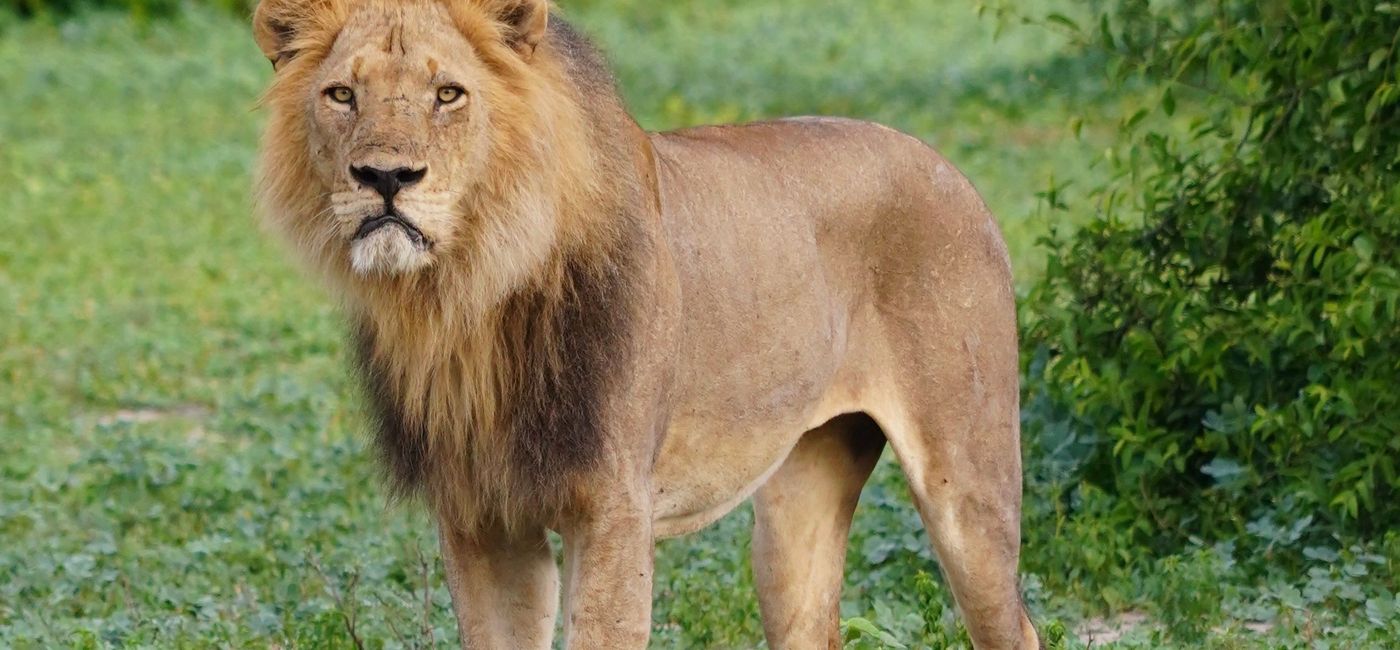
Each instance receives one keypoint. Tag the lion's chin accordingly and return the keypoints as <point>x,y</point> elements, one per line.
<point>387,251</point>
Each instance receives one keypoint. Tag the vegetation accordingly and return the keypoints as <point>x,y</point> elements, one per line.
<point>1224,329</point>
<point>181,462</point>
<point>137,9</point>
<point>1211,357</point>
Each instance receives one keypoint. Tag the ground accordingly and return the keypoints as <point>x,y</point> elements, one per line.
<point>181,453</point>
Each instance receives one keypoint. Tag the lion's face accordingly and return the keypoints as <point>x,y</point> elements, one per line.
<point>397,130</point>
<point>411,139</point>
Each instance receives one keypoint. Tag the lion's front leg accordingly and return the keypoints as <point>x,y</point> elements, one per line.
<point>505,588</point>
<point>608,577</point>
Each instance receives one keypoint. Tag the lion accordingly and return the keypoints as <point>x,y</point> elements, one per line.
<point>566,323</point>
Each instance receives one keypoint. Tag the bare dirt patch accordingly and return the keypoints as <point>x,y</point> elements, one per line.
<point>1099,630</point>
<point>145,415</point>
<point>193,413</point>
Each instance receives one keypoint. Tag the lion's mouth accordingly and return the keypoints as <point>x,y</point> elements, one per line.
<point>372,225</point>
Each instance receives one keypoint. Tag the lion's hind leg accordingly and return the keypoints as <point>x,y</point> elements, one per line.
<point>963,465</point>
<point>802,517</point>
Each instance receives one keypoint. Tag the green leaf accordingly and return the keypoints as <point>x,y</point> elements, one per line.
<point>1222,469</point>
<point>1361,138</point>
<point>1365,247</point>
<point>1135,119</point>
<point>865,627</point>
<point>1322,554</point>
<point>1062,19</point>
<point>1380,98</point>
<point>1377,58</point>
<point>1106,32</point>
<point>1336,89</point>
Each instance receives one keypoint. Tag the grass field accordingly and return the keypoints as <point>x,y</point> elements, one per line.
<point>181,458</point>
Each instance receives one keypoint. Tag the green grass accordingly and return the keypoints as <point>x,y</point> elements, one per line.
<point>181,449</point>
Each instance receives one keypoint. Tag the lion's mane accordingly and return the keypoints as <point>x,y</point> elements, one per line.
<point>483,371</point>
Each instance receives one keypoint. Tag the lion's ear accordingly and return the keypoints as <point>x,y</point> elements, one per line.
<point>526,22</point>
<point>278,23</point>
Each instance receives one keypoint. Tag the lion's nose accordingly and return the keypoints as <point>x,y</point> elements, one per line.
<point>387,183</point>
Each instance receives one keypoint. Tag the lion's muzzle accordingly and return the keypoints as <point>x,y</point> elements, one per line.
<point>387,241</point>
<point>372,225</point>
<point>389,244</point>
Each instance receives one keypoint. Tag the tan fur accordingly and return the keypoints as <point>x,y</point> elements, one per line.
<point>620,335</point>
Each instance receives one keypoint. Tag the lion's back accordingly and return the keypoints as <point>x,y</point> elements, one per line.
<point>855,193</point>
<point>795,230</point>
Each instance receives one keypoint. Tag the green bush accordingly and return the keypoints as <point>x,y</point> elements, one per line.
<point>137,8</point>
<point>1219,347</point>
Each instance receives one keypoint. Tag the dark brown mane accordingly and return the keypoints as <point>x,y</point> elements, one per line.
<point>585,64</point>
<point>564,343</point>
<point>557,346</point>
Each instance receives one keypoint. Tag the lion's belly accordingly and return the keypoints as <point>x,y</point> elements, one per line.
<point>743,403</point>
<point>706,468</point>
<point>747,389</point>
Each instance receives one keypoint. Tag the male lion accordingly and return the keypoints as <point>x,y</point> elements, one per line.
<point>567,323</point>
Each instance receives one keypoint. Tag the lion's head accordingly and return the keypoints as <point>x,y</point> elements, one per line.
<point>414,136</point>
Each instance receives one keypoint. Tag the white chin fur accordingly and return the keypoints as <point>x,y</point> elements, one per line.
<point>387,251</point>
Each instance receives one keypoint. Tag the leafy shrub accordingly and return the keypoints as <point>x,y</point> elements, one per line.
<point>1219,346</point>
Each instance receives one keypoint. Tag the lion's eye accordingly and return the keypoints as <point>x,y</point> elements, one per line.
<point>341,94</point>
<point>449,94</point>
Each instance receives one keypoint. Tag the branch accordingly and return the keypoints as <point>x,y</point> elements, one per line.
<point>346,609</point>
